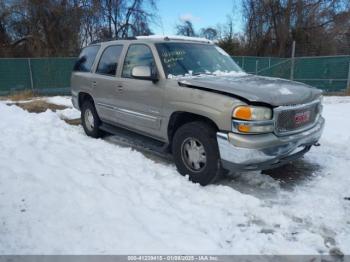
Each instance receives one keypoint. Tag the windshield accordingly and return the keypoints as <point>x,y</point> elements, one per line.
<point>193,59</point>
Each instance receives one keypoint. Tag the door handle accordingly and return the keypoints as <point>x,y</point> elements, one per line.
<point>119,88</point>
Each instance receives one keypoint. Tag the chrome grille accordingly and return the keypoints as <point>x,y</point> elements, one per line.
<point>296,118</point>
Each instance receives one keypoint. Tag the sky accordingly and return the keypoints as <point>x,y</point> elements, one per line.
<point>202,13</point>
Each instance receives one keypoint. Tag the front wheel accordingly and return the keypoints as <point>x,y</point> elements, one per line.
<point>196,152</point>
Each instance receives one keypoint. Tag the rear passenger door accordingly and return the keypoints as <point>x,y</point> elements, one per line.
<point>141,100</point>
<point>106,83</point>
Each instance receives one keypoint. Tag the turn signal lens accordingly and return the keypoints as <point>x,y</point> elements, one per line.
<point>252,113</point>
<point>243,112</point>
<point>244,128</point>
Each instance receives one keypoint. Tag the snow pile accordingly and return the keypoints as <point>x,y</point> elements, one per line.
<point>63,192</point>
<point>59,100</point>
<point>69,113</point>
<point>209,74</point>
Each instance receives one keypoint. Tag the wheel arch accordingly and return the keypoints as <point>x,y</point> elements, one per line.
<point>179,118</point>
<point>84,96</point>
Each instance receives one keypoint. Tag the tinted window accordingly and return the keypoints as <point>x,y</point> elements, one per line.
<point>138,55</point>
<point>109,60</point>
<point>86,59</point>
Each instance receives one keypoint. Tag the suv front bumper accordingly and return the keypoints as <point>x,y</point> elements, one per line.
<point>265,151</point>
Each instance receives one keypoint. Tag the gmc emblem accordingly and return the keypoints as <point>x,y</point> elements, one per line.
<point>302,117</point>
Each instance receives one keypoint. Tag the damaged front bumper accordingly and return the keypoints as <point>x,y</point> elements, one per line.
<point>240,152</point>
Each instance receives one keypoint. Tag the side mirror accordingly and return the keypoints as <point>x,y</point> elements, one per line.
<point>144,73</point>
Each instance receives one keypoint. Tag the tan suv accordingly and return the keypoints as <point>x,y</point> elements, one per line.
<point>190,96</point>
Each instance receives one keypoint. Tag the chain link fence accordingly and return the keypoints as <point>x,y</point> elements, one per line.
<point>45,76</point>
<point>51,76</point>
<point>329,73</point>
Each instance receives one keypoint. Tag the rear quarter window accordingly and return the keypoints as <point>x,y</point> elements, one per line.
<point>86,59</point>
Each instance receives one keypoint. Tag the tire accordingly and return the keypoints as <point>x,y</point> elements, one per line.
<point>90,120</point>
<point>190,144</point>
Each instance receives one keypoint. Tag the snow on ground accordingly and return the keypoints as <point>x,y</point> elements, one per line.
<point>69,113</point>
<point>62,192</point>
<point>59,100</point>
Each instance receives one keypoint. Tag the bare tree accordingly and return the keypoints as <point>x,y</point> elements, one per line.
<point>209,33</point>
<point>62,27</point>
<point>4,24</point>
<point>42,28</point>
<point>318,26</point>
<point>185,29</point>
<point>128,18</point>
<point>90,22</point>
<point>227,39</point>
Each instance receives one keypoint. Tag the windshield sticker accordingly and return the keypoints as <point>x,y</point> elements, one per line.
<point>173,56</point>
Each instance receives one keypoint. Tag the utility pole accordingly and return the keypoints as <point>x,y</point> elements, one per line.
<point>292,62</point>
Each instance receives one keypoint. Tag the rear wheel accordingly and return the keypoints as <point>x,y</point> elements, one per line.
<point>90,120</point>
<point>196,152</point>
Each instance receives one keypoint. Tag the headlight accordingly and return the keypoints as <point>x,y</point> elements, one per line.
<point>252,113</point>
<point>252,120</point>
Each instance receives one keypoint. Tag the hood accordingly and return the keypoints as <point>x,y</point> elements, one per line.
<point>272,91</point>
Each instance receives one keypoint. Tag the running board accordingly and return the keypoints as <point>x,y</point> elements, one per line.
<point>128,138</point>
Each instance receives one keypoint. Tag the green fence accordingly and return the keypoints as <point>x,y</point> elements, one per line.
<point>51,75</point>
<point>329,73</point>
<point>47,76</point>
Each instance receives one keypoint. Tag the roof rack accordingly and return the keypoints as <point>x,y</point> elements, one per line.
<point>112,39</point>
<point>158,37</point>
<point>175,37</point>
<point>95,42</point>
<point>127,38</point>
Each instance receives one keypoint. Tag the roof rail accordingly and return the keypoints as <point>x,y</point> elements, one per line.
<point>112,39</point>
<point>94,42</point>
<point>128,38</point>
<point>157,37</point>
<point>176,37</point>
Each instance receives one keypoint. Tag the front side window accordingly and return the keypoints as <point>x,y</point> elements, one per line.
<point>86,59</point>
<point>194,58</point>
<point>138,55</point>
<point>109,60</point>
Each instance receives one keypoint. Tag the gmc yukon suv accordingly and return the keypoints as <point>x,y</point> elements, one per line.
<point>190,96</point>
